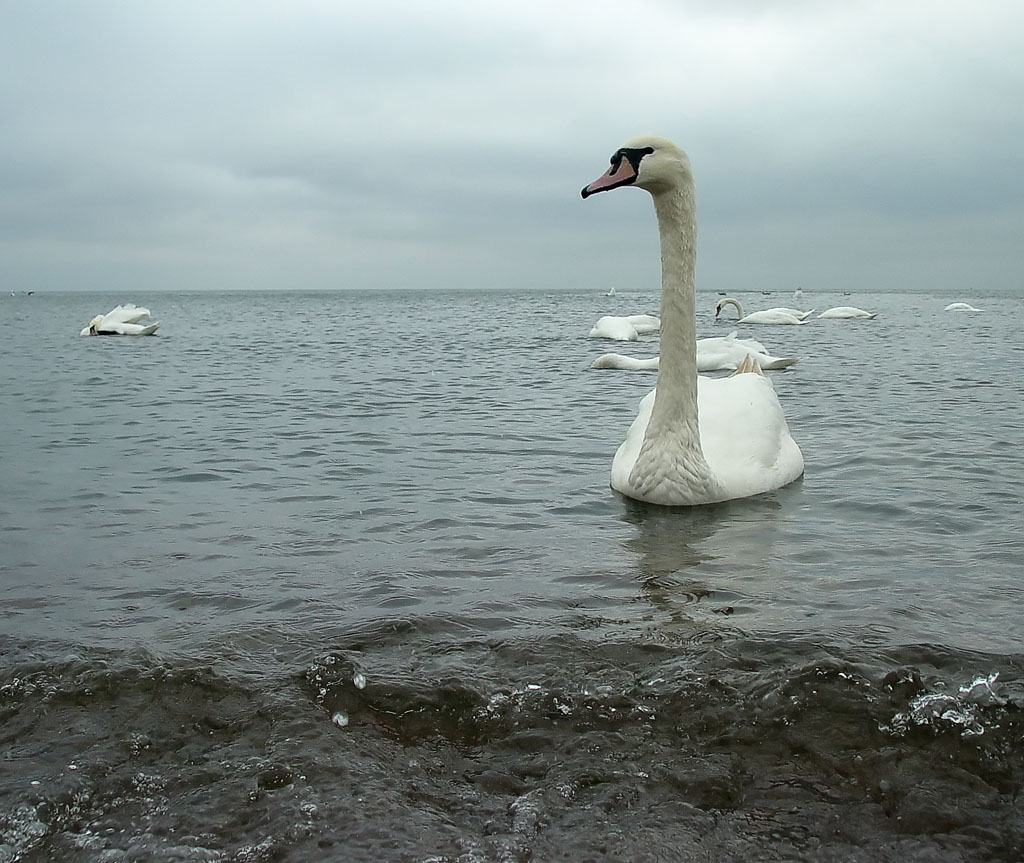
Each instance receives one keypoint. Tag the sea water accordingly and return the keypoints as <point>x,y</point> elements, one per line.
<point>339,576</point>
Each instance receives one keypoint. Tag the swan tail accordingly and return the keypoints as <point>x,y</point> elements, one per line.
<point>748,365</point>
<point>778,362</point>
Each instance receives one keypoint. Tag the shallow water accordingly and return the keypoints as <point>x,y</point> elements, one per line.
<point>339,576</point>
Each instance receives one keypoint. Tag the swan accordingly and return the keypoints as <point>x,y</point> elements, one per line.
<point>768,316</point>
<point>728,352</point>
<point>621,361</point>
<point>624,329</point>
<point>798,293</point>
<point>846,312</point>
<point>713,355</point>
<point>961,307</point>
<point>611,291</point>
<point>695,440</point>
<point>121,321</point>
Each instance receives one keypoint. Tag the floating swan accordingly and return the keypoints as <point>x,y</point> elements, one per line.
<point>728,352</point>
<point>696,440</point>
<point>846,312</point>
<point>713,355</point>
<point>768,316</point>
<point>611,291</point>
<point>961,307</point>
<point>798,293</point>
<point>621,361</point>
<point>121,321</point>
<point>624,329</point>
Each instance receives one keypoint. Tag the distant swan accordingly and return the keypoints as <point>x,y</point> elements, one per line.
<point>696,440</point>
<point>961,307</point>
<point>768,316</point>
<point>121,321</point>
<point>624,329</point>
<point>713,355</point>
<point>846,312</point>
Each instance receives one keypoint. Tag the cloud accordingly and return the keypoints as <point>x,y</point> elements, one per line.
<point>394,144</point>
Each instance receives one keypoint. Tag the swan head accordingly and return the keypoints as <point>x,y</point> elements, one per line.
<point>90,330</point>
<point>728,301</point>
<point>648,162</point>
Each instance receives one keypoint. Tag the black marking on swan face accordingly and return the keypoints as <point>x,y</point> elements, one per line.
<point>625,166</point>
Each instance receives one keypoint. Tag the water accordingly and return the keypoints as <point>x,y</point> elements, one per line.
<point>339,576</point>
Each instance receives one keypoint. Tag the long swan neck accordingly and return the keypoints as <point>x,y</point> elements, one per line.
<point>677,372</point>
<point>671,462</point>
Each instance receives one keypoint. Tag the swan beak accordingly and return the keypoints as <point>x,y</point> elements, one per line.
<point>621,173</point>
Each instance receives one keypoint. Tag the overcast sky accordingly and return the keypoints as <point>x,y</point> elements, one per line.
<point>204,144</point>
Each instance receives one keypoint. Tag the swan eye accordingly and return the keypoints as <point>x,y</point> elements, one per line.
<point>634,154</point>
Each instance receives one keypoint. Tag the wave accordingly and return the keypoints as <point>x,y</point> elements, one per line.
<point>395,743</point>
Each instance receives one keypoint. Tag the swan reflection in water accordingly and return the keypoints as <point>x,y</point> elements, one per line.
<point>686,555</point>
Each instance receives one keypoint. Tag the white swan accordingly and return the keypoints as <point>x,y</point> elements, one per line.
<point>713,355</point>
<point>798,293</point>
<point>846,312</point>
<point>961,307</point>
<point>696,440</point>
<point>121,321</point>
<point>624,329</point>
<point>728,352</point>
<point>611,291</point>
<point>626,363</point>
<point>768,316</point>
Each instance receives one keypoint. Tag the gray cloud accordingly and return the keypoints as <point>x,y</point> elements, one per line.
<point>311,145</point>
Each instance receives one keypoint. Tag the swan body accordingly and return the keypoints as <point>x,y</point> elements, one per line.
<point>713,355</point>
<point>621,361</point>
<point>796,313</point>
<point>624,329</point>
<point>768,316</point>
<point>961,307</point>
<point>695,440</point>
<point>846,312</point>
<point>121,321</point>
<point>727,353</point>
<point>611,291</point>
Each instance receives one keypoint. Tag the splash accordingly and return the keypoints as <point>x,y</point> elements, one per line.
<point>940,711</point>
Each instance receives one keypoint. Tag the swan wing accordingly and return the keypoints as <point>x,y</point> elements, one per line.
<point>745,436</point>
<point>752,345</point>
<point>846,312</point>
<point>129,313</point>
<point>770,316</point>
<point>644,323</point>
<point>614,328</point>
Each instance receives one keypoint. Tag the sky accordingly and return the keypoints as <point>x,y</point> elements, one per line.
<point>862,145</point>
